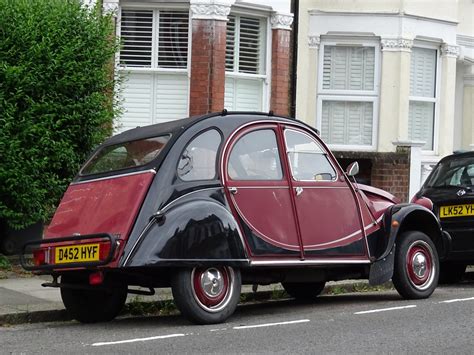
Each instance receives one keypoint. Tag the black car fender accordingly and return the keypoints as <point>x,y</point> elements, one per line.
<point>191,233</point>
<point>397,220</point>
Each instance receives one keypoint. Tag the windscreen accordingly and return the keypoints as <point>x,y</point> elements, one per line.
<point>125,155</point>
<point>454,172</point>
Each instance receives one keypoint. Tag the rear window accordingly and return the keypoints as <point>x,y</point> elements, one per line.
<point>125,155</point>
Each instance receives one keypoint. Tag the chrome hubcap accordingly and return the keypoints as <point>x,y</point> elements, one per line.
<point>419,265</point>
<point>212,287</point>
<point>212,282</point>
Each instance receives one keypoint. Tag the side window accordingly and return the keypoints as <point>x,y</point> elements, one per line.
<point>307,159</point>
<point>255,157</point>
<point>198,160</point>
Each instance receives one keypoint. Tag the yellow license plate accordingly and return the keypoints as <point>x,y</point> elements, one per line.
<point>77,253</point>
<point>456,211</point>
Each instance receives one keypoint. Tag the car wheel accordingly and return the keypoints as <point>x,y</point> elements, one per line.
<point>416,269</point>
<point>92,306</point>
<point>304,291</point>
<point>450,273</point>
<point>207,295</point>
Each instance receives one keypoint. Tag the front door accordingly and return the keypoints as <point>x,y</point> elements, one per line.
<point>326,207</point>
<point>260,193</point>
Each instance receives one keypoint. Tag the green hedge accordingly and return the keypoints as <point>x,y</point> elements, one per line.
<point>56,84</point>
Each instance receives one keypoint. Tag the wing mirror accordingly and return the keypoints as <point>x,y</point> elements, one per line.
<point>352,169</point>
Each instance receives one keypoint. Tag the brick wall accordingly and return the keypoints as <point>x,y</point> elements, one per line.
<point>391,172</point>
<point>387,171</point>
<point>279,101</point>
<point>207,67</point>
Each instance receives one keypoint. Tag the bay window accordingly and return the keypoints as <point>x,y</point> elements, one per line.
<point>348,94</point>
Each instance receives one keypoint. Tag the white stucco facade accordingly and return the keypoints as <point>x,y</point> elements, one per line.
<point>421,86</point>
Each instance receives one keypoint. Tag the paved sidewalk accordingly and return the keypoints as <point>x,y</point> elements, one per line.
<point>24,300</point>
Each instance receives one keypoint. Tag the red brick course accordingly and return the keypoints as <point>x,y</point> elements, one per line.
<point>280,101</point>
<point>387,171</point>
<point>207,67</point>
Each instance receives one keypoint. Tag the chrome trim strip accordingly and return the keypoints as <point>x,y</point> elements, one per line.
<point>306,262</point>
<point>320,187</point>
<point>264,187</point>
<point>153,171</point>
<point>145,230</point>
<point>208,260</point>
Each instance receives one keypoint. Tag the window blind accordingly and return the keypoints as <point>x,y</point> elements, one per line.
<point>244,45</point>
<point>136,32</point>
<point>348,68</point>
<point>173,39</point>
<point>347,122</point>
<point>230,44</point>
<point>243,94</point>
<point>421,112</point>
<point>150,34</point>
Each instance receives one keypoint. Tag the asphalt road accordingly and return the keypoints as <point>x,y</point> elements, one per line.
<point>349,323</point>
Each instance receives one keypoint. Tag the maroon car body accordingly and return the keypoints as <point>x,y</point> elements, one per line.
<point>212,202</point>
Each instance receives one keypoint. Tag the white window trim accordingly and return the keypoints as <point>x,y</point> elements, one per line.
<point>375,122</point>
<point>155,34</point>
<point>265,55</point>
<point>350,43</point>
<point>351,95</point>
<point>121,69</point>
<point>434,100</point>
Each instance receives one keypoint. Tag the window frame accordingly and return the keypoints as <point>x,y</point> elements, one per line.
<point>323,152</point>
<point>153,72</point>
<point>156,8</point>
<point>127,168</point>
<point>372,96</point>
<point>265,57</point>
<point>217,159</point>
<point>437,91</point>
<point>236,140</point>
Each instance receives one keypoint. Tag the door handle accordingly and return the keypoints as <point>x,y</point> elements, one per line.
<point>299,190</point>
<point>233,190</point>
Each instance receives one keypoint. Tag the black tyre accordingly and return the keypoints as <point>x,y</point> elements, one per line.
<point>451,273</point>
<point>92,306</point>
<point>416,270</point>
<point>304,291</point>
<point>207,295</point>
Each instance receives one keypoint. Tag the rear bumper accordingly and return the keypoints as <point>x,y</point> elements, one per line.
<point>49,244</point>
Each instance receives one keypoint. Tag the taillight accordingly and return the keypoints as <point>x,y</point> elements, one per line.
<point>39,257</point>
<point>96,278</point>
<point>104,250</point>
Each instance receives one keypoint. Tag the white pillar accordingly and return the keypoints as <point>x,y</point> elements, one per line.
<point>394,92</point>
<point>415,165</point>
<point>447,84</point>
<point>306,85</point>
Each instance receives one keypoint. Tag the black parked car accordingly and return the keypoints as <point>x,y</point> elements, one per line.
<point>448,191</point>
